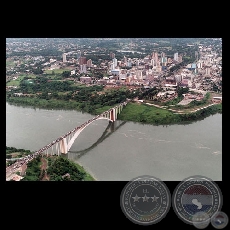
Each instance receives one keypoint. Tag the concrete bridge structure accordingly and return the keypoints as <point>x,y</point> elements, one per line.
<point>63,144</point>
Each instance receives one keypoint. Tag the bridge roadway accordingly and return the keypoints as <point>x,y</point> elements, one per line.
<point>109,114</point>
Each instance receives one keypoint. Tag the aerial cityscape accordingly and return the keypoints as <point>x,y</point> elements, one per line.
<point>113,108</point>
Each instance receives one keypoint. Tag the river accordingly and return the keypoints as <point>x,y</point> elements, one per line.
<point>122,151</point>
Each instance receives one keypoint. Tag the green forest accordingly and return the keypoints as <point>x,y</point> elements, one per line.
<point>59,168</point>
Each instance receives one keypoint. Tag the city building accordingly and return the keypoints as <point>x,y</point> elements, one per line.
<point>82,60</point>
<point>89,63</point>
<point>176,57</point>
<point>78,54</point>
<point>85,79</point>
<point>115,62</point>
<point>207,71</point>
<point>180,58</point>
<point>83,68</point>
<point>64,57</point>
<point>115,71</point>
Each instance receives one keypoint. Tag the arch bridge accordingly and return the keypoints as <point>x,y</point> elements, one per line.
<point>63,144</point>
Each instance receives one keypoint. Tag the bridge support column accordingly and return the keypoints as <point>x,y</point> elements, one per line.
<point>112,115</point>
<point>116,113</point>
<point>63,146</point>
<point>57,150</point>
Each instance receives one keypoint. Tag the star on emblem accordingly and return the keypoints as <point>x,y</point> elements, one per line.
<point>154,198</point>
<point>145,198</point>
<point>136,198</point>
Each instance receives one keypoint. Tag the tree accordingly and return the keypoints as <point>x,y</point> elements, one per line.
<point>66,74</point>
<point>38,71</point>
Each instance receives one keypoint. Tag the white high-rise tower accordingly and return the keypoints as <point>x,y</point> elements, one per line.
<point>176,56</point>
<point>64,57</point>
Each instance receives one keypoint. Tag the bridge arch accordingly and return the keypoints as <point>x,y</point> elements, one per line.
<point>77,133</point>
<point>110,115</point>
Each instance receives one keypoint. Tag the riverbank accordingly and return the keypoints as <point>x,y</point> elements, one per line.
<point>151,114</point>
<point>43,168</point>
<point>52,104</point>
<point>136,112</point>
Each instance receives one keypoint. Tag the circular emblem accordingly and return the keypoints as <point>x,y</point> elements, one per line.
<point>145,200</point>
<point>201,220</point>
<point>219,220</point>
<point>194,195</point>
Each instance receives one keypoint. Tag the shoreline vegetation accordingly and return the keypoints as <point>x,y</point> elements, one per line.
<point>146,113</point>
<point>51,168</point>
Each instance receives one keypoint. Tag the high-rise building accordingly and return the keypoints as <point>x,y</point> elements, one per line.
<point>125,59</point>
<point>162,54</point>
<point>78,54</point>
<point>112,66</point>
<point>89,63</point>
<point>175,56</point>
<point>115,62</point>
<point>64,57</point>
<point>129,62</point>
<point>199,65</point>
<point>152,62</point>
<point>164,61</point>
<point>82,60</point>
<point>112,55</point>
<point>83,68</point>
<point>156,58</point>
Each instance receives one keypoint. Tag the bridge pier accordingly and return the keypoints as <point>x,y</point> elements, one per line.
<point>116,111</point>
<point>63,146</point>
<point>107,115</point>
<point>111,115</point>
<point>115,115</point>
<point>57,149</point>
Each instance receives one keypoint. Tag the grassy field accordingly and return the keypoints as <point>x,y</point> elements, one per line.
<point>53,77</point>
<point>15,82</point>
<point>147,114</point>
<point>21,77</point>
<point>55,71</point>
